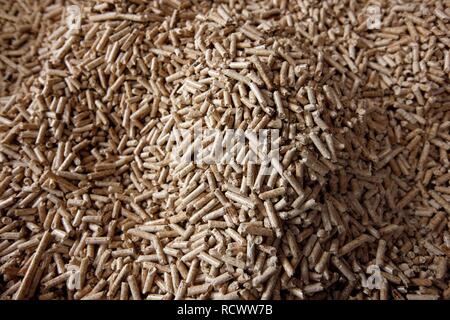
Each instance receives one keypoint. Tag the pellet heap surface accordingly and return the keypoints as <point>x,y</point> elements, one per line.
<point>93,204</point>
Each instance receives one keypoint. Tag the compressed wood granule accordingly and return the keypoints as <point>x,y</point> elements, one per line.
<point>229,149</point>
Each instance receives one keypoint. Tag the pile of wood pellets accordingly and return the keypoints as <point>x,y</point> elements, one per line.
<point>97,201</point>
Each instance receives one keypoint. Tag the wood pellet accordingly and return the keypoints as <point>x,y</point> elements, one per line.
<point>285,150</point>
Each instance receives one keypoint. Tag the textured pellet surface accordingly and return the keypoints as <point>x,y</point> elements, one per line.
<point>107,191</point>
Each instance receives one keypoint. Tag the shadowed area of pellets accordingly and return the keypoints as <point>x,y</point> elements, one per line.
<point>224,150</point>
